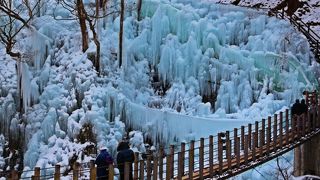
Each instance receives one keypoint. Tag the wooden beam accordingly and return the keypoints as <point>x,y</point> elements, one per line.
<point>191,159</point>
<point>211,155</point>
<point>201,158</point>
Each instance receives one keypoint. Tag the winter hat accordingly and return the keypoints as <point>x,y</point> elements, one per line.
<point>102,148</point>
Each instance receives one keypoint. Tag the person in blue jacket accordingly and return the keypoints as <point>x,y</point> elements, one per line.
<point>125,154</point>
<point>103,161</point>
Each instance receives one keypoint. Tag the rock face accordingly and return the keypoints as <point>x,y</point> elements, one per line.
<point>307,158</point>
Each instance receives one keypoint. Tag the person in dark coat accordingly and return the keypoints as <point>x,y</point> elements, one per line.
<point>303,107</point>
<point>103,161</point>
<point>125,154</point>
<point>295,109</point>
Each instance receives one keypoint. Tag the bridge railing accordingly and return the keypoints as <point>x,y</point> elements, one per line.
<point>215,156</point>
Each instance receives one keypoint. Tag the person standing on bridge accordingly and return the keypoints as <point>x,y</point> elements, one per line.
<point>303,107</point>
<point>125,154</point>
<point>296,108</point>
<point>103,161</point>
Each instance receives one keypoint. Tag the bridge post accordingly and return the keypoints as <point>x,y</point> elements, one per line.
<point>268,134</point>
<point>15,175</point>
<point>318,116</point>
<point>136,160</point>
<point>314,122</point>
<point>183,151</point>
<point>168,166</point>
<point>93,170</point>
<point>287,126</point>
<point>263,136</point>
<point>191,159</point>
<point>275,132</point>
<point>246,143</point>
<point>127,171</point>
<point>235,135</point>
<point>76,170</point>
<point>228,152</point>
<point>307,98</point>
<point>155,167</point>
<point>249,135</point>
<point>170,163</point>
<point>254,146</point>
<point>238,152</point>
<point>180,166</point>
<point>37,173</point>
<point>148,167</point>
<point>211,155</point>
<point>172,160</point>
<point>57,171</point>
<point>201,158</point>
<point>111,172</point>
<point>303,122</point>
<point>227,136</point>
<point>160,155</point>
<point>242,136</point>
<point>281,130</point>
<point>261,142</point>
<point>220,153</point>
<point>141,169</point>
<point>256,130</point>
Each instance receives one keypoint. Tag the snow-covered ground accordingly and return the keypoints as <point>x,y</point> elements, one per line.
<point>219,67</point>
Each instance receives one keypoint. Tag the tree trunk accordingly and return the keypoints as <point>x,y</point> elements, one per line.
<point>121,32</point>
<point>83,27</point>
<point>139,4</point>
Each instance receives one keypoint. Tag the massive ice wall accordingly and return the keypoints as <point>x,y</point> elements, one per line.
<point>240,55</point>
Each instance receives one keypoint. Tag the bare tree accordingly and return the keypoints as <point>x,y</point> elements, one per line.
<point>121,32</point>
<point>91,16</point>
<point>11,24</point>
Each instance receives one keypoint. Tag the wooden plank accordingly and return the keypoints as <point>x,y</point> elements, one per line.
<point>256,129</point>
<point>249,135</point>
<point>275,130</point>
<point>127,171</point>
<point>168,166</point>
<point>135,166</point>
<point>57,171</point>
<point>261,140</point>
<point>141,169</point>
<point>172,160</point>
<point>37,173</point>
<point>149,168</point>
<point>220,153</point>
<point>160,155</point>
<point>238,152</point>
<point>253,150</point>
<point>110,172</point>
<point>263,134</point>
<point>235,135</point>
<point>76,169</point>
<point>281,129</point>
<point>155,167</point>
<point>242,136</point>
<point>228,144</point>
<point>287,126</point>
<point>180,166</point>
<point>211,155</point>
<point>246,146</point>
<point>93,170</point>
<point>201,158</point>
<point>191,159</point>
<point>269,134</point>
<point>183,151</point>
